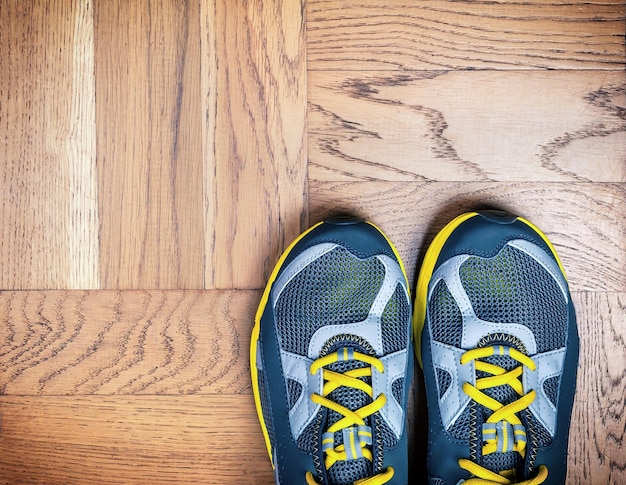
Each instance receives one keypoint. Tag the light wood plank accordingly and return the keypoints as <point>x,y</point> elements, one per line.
<point>136,439</point>
<point>585,221</point>
<point>509,126</point>
<point>254,137</point>
<point>395,34</point>
<point>48,189</point>
<point>149,144</point>
<point>128,342</point>
<point>598,430</point>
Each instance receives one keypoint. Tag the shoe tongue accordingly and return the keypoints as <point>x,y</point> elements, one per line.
<point>348,471</point>
<point>499,461</point>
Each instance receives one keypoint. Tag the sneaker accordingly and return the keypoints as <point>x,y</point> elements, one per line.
<point>499,349</point>
<point>332,361</point>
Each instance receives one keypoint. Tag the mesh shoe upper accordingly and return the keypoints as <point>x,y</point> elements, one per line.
<point>498,305</point>
<point>339,306</point>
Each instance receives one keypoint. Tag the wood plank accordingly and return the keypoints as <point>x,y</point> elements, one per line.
<point>598,432</point>
<point>128,342</point>
<point>116,438</point>
<point>508,126</point>
<point>136,439</point>
<point>48,189</point>
<point>442,34</point>
<point>149,144</point>
<point>585,221</point>
<point>254,80</point>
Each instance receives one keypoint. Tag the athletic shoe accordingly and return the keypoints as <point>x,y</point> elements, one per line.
<point>331,359</point>
<point>499,349</point>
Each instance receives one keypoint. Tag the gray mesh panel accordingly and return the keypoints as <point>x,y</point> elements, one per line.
<point>294,389</point>
<point>536,433</point>
<point>512,287</point>
<point>508,288</point>
<point>265,406</point>
<point>336,288</point>
<point>446,322</point>
<point>348,472</point>
<point>397,389</point>
<point>460,429</point>
<point>395,322</point>
<point>444,379</point>
<point>551,388</point>
<point>385,433</point>
<point>306,441</point>
<point>503,461</point>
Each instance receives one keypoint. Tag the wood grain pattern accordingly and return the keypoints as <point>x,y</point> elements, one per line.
<point>48,190</point>
<point>149,122</point>
<point>132,439</point>
<point>597,440</point>
<point>149,432</point>
<point>130,342</point>
<point>450,34</point>
<point>255,148</point>
<point>411,213</point>
<point>199,162</point>
<point>544,126</point>
<point>163,146</point>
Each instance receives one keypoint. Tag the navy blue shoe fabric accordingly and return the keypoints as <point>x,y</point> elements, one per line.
<point>332,359</point>
<point>496,335</point>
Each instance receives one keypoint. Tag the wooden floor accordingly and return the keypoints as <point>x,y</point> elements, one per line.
<point>157,156</point>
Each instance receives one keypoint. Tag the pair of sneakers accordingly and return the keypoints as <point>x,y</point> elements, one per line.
<point>493,327</point>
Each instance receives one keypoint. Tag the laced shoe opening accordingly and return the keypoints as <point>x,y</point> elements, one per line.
<point>499,393</point>
<point>348,400</point>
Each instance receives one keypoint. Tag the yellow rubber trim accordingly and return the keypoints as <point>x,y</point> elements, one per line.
<point>426,272</point>
<point>546,240</point>
<point>255,336</point>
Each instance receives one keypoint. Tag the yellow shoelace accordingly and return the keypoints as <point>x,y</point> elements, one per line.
<point>503,430</point>
<point>361,439</point>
